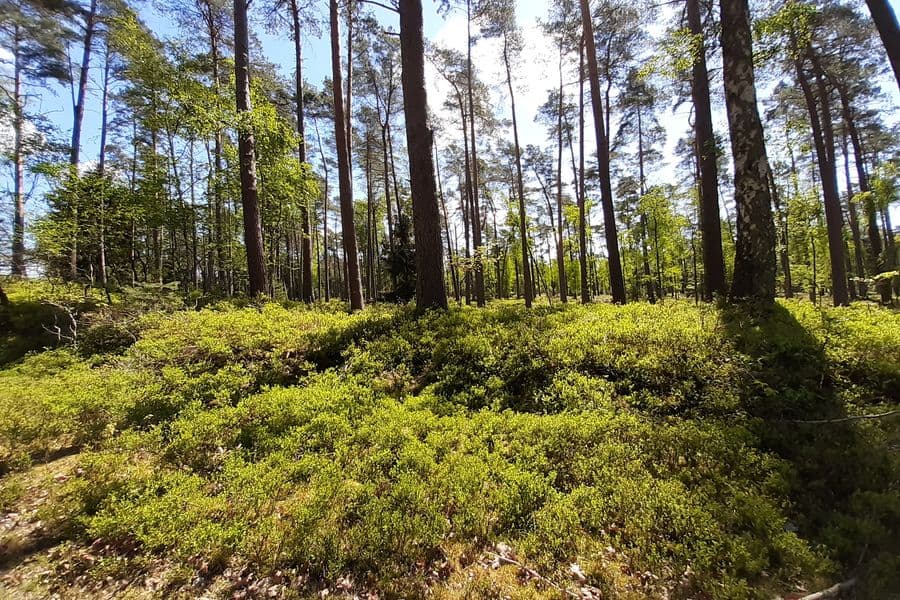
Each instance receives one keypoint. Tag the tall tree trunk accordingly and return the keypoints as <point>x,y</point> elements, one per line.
<point>465,200</point>
<point>387,185</point>
<point>101,166</point>
<point>306,293</point>
<point>710,222</point>
<point>18,234</point>
<point>560,252</point>
<point>617,281</point>
<point>348,230</point>
<point>782,232</point>
<point>475,209</point>
<point>370,222</point>
<point>875,246</point>
<point>454,276</point>
<point>218,205</point>
<point>754,261</point>
<point>886,22</point>
<point>823,140</point>
<point>528,291</point>
<point>89,22</point>
<point>256,264</point>
<point>582,188</point>
<point>854,220</point>
<point>78,110</point>
<point>642,188</point>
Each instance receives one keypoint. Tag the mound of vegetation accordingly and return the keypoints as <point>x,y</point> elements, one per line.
<point>664,451</point>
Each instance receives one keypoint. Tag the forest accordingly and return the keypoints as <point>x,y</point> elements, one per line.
<point>449,299</point>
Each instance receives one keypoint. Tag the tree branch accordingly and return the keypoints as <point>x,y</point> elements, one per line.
<point>832,592</point>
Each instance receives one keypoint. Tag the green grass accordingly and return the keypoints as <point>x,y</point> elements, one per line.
<point>654,445</point>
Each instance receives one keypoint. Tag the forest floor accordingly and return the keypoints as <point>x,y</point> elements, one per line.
<point>161,447</point>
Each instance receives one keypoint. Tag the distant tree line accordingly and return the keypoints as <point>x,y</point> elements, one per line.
<point>216,173</point>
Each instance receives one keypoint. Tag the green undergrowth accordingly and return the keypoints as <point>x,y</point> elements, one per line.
<point>668,450</point>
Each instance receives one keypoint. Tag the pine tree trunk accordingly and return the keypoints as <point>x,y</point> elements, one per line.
<point>454,276</point>
<point>823,140</point>
<point>710,222</point>
<point>520,185</point>
<point>854,221</point>
<point>18,233</point>
<point>431,291</point>
<point>754,261</point>
<point>617,281</point>
<point>475,209</point>
<point>256,265</point>
<point>875,246</point>
<point>306,293</point>
<point>582,188</point>
<point>78,110</point>
<point>101,166</point>
<point>781,217</point>
<point>560,252</point>
<point>348,230</point>
<point>886,22</point>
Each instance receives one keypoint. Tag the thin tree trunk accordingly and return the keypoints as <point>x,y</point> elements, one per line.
<point>101,164</point>
<point>78,119</point>
<point>560,252</point>
<point>306,293</point>
<point>18,234</point>
<point>348,231</point>
<point>783,233</point>
<point>387,186</point>
<point>648,280</point>
<point>476,211</point>
<point>854,221</point>
<point>256,265</point>
<point>823,138</point>
<point>617,281</point>
<point>520,185</point>
<point>454,276</point>
<point>582,188</point>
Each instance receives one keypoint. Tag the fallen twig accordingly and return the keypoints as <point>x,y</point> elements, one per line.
<point>532,573</point>
<point>832,592</point>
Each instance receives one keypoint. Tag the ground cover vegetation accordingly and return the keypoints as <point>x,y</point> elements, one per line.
<point>669,450</point>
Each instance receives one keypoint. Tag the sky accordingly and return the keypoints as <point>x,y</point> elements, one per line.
<point>534,74</point>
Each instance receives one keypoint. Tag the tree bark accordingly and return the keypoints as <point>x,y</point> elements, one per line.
<point>89,23</point>
<point>823,140</point>
<point>520,185</point>
<point>617,281</point>
<point>560,252</point>
<point>754,261</point>
<point>101,166</point>
<point>886,22</point>
<point>475,209</point>
<point>306,293</point>
<point>256,265</point>
<point>18,234</point>
<point>854,221</point>
<point>582,188</point>
<point>431,291</point>
<point>784,256</point>
<point>454,276</point>
<point>348,231</point>
<point>710,222</point>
